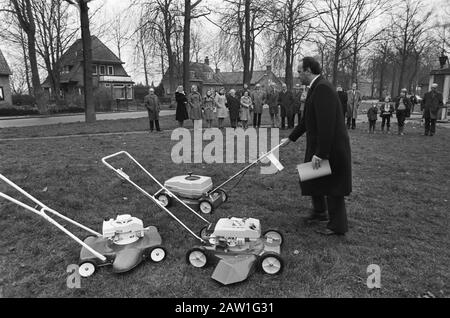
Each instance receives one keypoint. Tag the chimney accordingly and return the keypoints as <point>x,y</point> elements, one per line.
<point>217,70</point>
<point>269,68</point>
<point>206,60</point>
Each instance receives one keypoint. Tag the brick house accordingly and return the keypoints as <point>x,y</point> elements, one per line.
<point>202,75</point>
<point>5,87</point>
<point>108,72</point>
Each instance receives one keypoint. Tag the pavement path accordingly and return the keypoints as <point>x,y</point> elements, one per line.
<point>39,121</point>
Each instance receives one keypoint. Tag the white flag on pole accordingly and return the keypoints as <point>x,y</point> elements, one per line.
<point>275,161</point>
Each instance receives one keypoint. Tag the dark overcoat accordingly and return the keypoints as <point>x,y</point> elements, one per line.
<point>234,105</point>
<point>343,97</point>
<point>181,112</point>
<point>431,103</point>
<point>287,102</point>
<point>327,138</point>
<point>151,102</point>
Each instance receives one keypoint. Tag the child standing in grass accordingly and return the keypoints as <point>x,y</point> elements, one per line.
<point>386,111</point>
<point>372,116</point>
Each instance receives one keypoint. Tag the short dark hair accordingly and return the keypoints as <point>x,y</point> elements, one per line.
<point>312,64</point>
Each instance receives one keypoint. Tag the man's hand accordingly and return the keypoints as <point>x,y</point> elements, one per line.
<point>285,142</point>
<point>316,162</point>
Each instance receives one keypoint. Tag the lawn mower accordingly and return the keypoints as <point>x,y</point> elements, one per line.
<point>237,245</point>
<point>124,244</point>
<point>198,191</point>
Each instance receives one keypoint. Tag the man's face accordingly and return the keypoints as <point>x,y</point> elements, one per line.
<point>354,87</point>
<point>434,89</point>
<point>305,79</point>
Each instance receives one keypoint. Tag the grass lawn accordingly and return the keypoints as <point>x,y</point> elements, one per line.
<point>398,216</point>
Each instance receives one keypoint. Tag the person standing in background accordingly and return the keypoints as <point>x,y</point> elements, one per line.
<point>353,102</point>
<point>195,105</point>
<point>372,115</point>
<point>343,97</point>
<point>258,99</point>
<point>298,95</point>
<point>208,108</point>
<point>272,101</point>
<point>431,103</point>
<point>151,102</point>
<point>286,102</point>
<point>402,108</point>
<point>221,106</point>
<point>233,105</point>
<point>181,113</point>
<point>244,112</point>
<point>386,111</point>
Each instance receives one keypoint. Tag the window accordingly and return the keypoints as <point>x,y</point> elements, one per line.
<point>107,85</point>
<point>110,70</point>
<point>102,69</point>
<point>2,97</point>
<point>94,69</point>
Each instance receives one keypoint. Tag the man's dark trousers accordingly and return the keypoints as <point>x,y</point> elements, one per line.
<point>430,126</point>
<point>351,122</point>
<point>336,211</point>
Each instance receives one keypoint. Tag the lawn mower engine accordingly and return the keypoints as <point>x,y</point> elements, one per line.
<point>125,229</point>
<point>194,190</point>
<point>189,186</point>
<point>235,232</point>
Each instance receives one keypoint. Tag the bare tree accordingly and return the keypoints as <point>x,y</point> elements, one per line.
<point>161,25</point>
<point>23,11</point>
<point>408,31</point>
<point>190,12</point>
<point>242,21</point>
<point>340,18</point>
<point>292,27</point>
<point>54,36</point>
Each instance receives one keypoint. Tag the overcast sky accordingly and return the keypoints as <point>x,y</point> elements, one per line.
<point>108,10</point>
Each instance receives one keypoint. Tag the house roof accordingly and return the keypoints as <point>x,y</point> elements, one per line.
<point>4,68</point>
<point>236,78</point>
<point>100,53</point>
<point>442,71</point>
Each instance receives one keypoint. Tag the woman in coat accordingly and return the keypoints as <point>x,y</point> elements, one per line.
<point>208,108</point>
<point>195,104</point>
<point>402,110</point>
<point>221,104</point>
<point>244,113</point>
<point>233,105</point>
<point>181,113</point>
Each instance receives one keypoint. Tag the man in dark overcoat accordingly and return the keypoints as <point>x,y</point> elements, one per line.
<point>286,101</point>
<point>431,103</point>
<point>326,138</point>
<point>151,102</point>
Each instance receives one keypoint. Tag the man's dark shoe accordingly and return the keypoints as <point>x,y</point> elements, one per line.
<point>315,217</point>
<point>328,232</point>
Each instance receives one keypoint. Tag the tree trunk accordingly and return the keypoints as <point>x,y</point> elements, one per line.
<point>87,63</point>
<point>247,46</point>
<point>381,87</point>
<point>394,73</point>
<point>25,60</point>
<point>336,61</point>
<point>289,52</point>
<point>186,42</point>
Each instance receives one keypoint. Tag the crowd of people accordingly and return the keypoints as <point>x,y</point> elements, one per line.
<point>247,106</point>
<point>242,107</point>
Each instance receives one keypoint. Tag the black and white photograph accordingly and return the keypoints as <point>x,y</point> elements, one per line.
<point>224,155</point>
